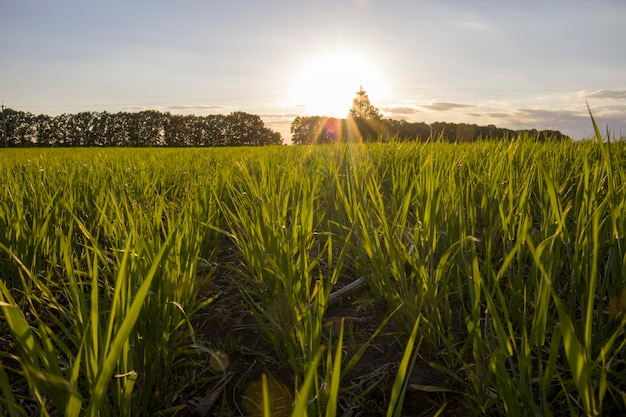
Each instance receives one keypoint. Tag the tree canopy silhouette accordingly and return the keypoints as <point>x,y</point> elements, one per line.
<point>141,129</point>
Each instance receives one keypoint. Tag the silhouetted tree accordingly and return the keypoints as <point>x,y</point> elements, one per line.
<point>244,129</point>
<point>214,133</point>
<point>175,130</point>
<point>316,129</point>
<point>116,132</point>
<point>407,131</point>
<point>142,129</point>
<point>45,130</point>
<point>20,127</point>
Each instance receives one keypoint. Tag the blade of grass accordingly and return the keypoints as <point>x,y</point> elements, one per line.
<point>401,381</point>
<point>335,380</point>
<point>300,408</point>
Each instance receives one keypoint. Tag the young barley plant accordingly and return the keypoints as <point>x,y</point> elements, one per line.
<point>274,220</point>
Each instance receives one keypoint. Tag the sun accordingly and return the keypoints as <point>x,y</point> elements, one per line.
<point>327,84</point>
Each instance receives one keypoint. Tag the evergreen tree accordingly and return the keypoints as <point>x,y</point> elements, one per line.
<point>362,108</point>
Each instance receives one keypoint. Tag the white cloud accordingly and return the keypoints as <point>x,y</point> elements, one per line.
<point>607,94</point>
<point>444,106</point>
<point>400,110</point>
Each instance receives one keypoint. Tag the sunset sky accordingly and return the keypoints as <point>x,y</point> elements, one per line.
<point>529,64</point>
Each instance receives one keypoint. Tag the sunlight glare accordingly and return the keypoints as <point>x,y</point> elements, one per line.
<point>327,84</point>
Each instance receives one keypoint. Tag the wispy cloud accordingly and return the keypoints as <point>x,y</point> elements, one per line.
<point>546,114</point>
<point>616,108</point>
<point>444,106</point>
<point>400,110</point>
<point>609,94</point>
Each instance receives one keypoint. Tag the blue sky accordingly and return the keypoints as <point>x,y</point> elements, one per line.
<point>530,64</point>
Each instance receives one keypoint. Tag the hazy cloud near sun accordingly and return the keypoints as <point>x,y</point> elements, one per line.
<point>400,110</point>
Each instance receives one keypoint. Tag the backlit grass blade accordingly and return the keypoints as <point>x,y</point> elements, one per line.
<point>300,408</point>
<point>578,360</point>
<point>267,412</point>
<point>335,380</point>
<point>28,348</point>
<point>596,130</point>
<point>406,365</point>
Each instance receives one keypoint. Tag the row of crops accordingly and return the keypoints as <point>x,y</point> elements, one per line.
<point>494,271</point>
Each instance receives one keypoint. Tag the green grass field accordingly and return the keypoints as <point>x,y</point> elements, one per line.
<point>201,281</point>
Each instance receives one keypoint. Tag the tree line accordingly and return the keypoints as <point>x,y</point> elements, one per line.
<point>319,129</point>
<point>148,128</point>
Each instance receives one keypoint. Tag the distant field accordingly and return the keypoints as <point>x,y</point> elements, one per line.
<point>204,281</point>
